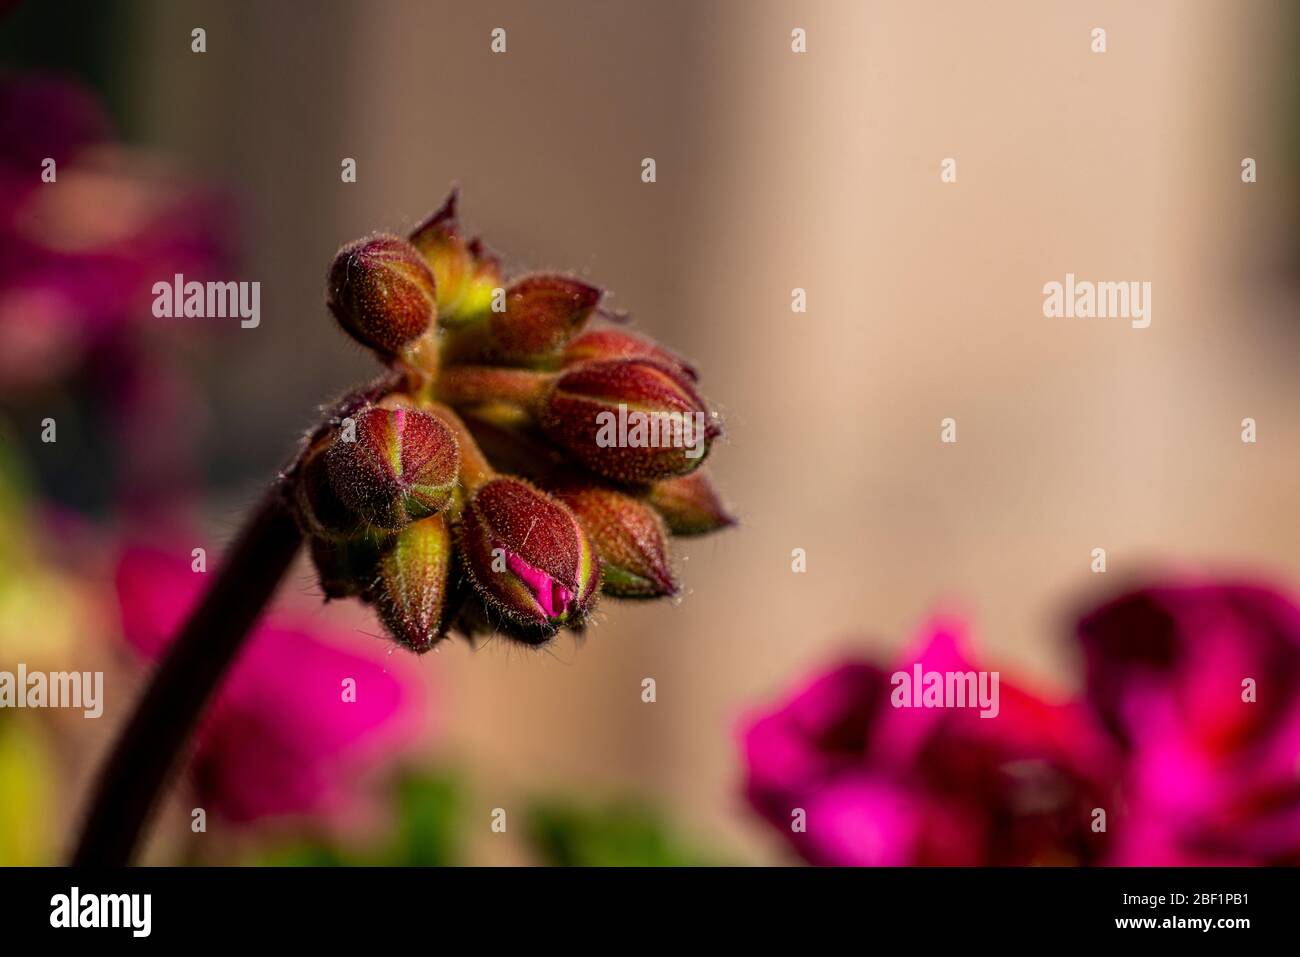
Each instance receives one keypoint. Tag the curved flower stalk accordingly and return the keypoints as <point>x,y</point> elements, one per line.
<point>269,748</point>
<point>514,464</point>
<point>509,467</point>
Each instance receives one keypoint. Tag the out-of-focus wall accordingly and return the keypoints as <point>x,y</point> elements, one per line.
<point>822,171</point>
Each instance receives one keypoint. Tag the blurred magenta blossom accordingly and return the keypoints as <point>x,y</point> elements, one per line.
<point>1187,736</point>
<point>78,256</point>
<point>881,785</point>
<point>279,738</point>
<point>1199,683</point>
<point>78,259</point>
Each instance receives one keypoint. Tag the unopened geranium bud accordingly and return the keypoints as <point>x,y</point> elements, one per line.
<point>466,274</point>
<point>345,567</point>
<point>410,587</point>
<point>541,314</point>
<point>382,293</point>
<point>631,420</point>
<point>690,504</point>
<point>321,512</point>
<point>528,556</point>
<point>401,465</point>
<point>598,344</point>
<point>630,538</point>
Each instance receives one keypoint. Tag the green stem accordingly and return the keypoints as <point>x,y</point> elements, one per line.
<point>477,385</point>
<point>474,466</point>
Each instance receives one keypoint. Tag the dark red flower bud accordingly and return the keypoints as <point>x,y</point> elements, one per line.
<point>690,504</point>
<point>630,539</point>
<point>466,274</point>
<point>410,590</point>
<point>321,512</point>
<point>598,344</point>
<point>527,555</point>
<point>631,420</point>
<point>401,464</point>
<point>345,568</point>
<point>541,314</point>
<point>382,292</point>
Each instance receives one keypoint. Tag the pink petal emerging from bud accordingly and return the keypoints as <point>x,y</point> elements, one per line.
<point>553,597</point>
<point>411,588</point>
<point>690,504</point>
<point>382,293</point>
<point>403,465</point>
<point>599,344</point>
<point>631,420</point>
<point>630,538</point>
<point>528,556</point>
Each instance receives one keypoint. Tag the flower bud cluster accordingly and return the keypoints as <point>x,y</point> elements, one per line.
<point>514,464</point>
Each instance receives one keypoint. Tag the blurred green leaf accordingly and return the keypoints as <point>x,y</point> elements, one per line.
<point>426,813</point>
<point>306,852</point>
<point>428,819</point>
<point>429,810</point>
<point>622,834</point>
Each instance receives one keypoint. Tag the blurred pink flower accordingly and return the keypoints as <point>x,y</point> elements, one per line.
<point>1212,777</point>
<point>882,785</point>
<point>79,255</point>
<point>278,739</point>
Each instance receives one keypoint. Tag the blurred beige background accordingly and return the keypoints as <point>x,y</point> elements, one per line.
<point>819,171</point>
